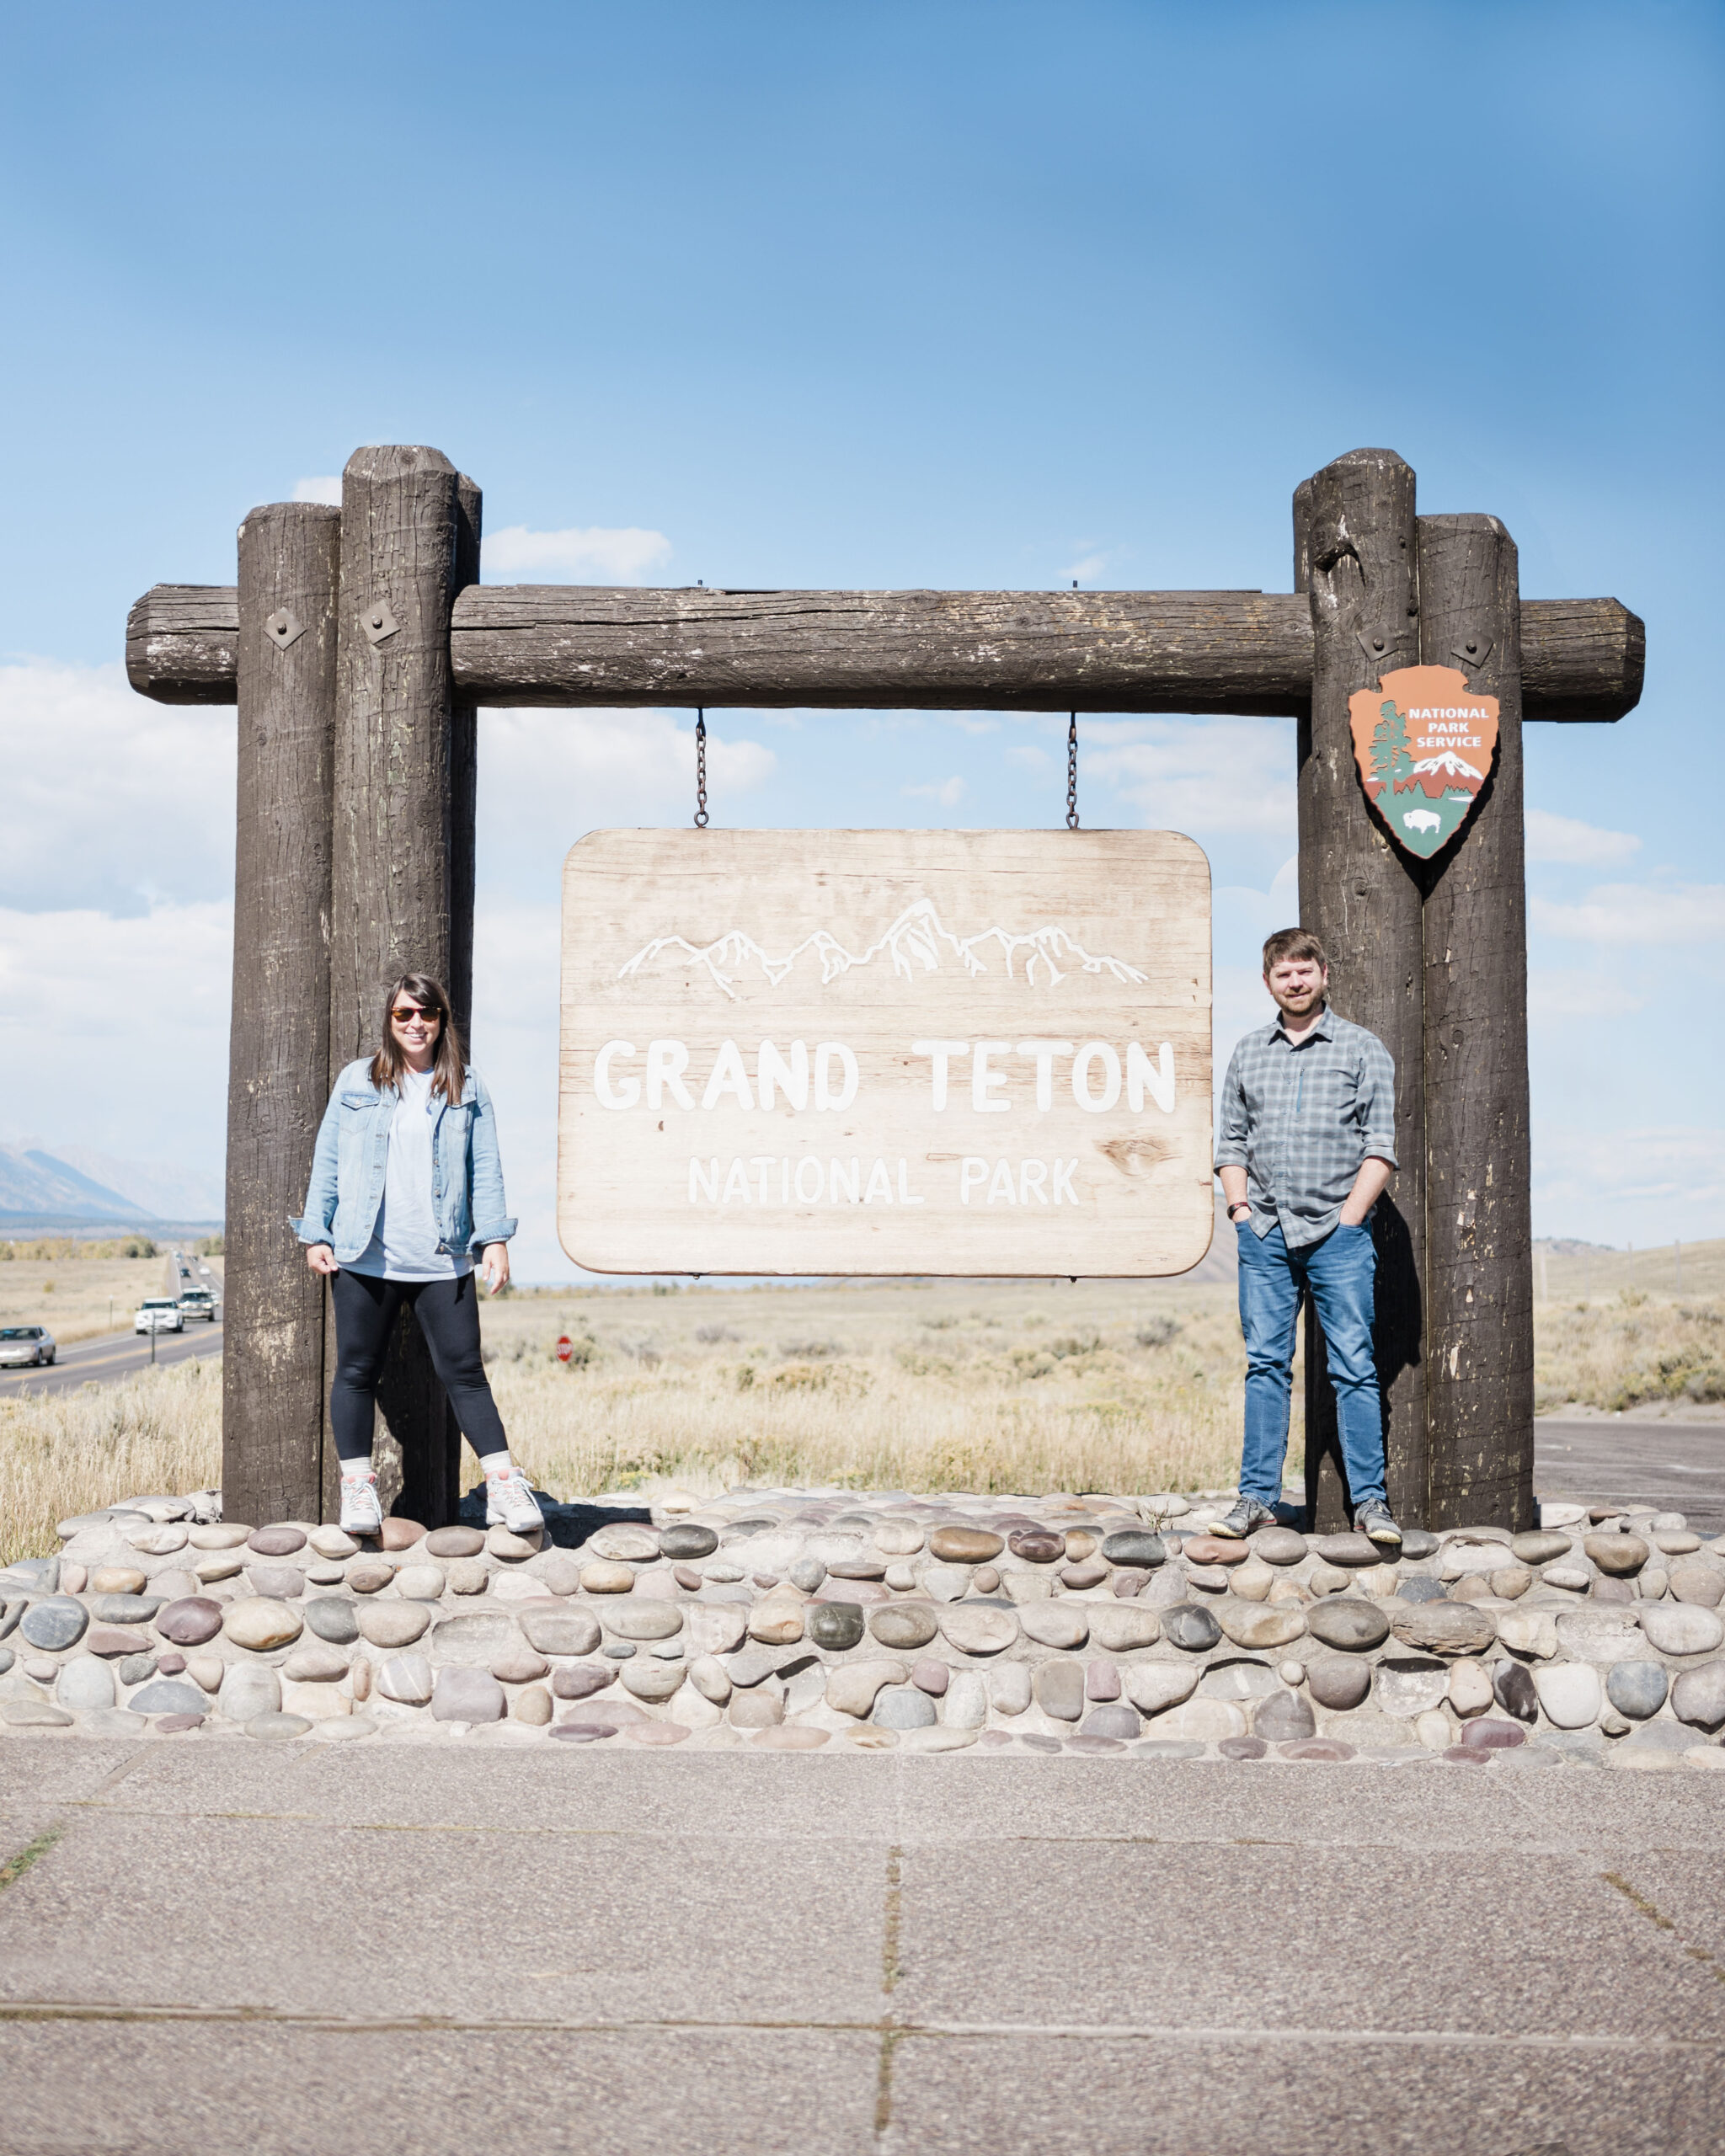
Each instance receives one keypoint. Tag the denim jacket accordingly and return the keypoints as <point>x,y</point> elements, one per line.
<point>353,1151</point>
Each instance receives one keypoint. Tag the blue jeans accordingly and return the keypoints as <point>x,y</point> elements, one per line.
<point>1338,1273</point>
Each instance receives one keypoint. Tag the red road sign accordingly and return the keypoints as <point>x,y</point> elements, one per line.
<point>565,1348</point>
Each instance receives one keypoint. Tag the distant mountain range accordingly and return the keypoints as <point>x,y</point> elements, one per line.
<point>38,1187</point>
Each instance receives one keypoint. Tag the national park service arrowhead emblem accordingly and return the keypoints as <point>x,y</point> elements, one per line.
<point>1424,740</point>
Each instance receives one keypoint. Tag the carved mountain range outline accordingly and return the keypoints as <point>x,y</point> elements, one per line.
<point>917,938</point>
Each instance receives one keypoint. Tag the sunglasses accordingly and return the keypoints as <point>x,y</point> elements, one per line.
<point>407,1014</point>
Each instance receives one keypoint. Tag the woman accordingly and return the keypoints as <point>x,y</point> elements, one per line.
<point>406,1183</point>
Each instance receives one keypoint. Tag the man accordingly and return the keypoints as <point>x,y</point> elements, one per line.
<point>1307,1146</point>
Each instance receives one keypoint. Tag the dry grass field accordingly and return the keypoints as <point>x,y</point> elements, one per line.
<point>78,1298</point>
<point>952,1385</point>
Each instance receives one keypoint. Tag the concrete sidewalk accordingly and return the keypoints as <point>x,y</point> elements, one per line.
<point>269,1949</point>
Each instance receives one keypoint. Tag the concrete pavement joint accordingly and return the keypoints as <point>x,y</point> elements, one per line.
<point>1657,1917</point>
<point>15,1867</point>
<point>890,1916</point>
<point>47,2010</point>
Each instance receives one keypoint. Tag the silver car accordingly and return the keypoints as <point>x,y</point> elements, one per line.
<point>25,1346</point>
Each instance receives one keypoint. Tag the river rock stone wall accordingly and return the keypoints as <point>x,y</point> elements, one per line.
<point>807,1620</point>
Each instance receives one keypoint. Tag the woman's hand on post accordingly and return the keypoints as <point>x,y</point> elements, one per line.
<point>321,1258</point>
<point>494,1266</point>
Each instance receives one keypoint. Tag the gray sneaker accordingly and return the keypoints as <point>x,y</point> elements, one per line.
<point>1373,1520</point>
<point>1245,1519</point>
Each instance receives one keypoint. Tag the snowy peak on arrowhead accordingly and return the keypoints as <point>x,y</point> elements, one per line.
<point>1450,766</point>
<point>916,945</point>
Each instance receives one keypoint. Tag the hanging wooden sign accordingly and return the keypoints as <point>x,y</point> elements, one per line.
<point>1424,741</point>
<point>886,1052</point>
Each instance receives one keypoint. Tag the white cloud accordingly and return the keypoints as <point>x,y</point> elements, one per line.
<point>1028,757</point>
<point>328,489</point>
<point>1645,1186</point>
<point>1086,568</point>
<point>1621,913</point>
<point>114,1032</point>
<point>947,793</point>
<point>111,801</point>
<point>1567,839</point>
<point>1196,774</point>
<point>1577,992</point>
<point>598,554</point>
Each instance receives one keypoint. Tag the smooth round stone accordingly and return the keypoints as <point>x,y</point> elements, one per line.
<point>1091,1573</point>
<point>206,1671</point>
<point>1261,1625</point>
<point>1283,1718</point>
<point>931,1677</point>
<point>86,1684</point>
<point>277,1727</point>
<point>980,1627</point>
<point>651,1680</point>
<point>759,1709</point>
<point>807,1573</point>
<point>580,1680</point>
<point>400,1533</point>
<point>1421,1587</point>
<point>1185,1625</point>
<point>776,1619</point>
<point>1510,1581</point>
<point>1513,1688</point>
<point>54,1623</point>
<point>1698,1696</point>
<point>555,1570</point>
<point>1676,1542</point>
<point>191,1621</point>
<point>110,1579</point>
<point>454,1542</point>
<point>837,1627</point>
<point>605,1577</point>
<point>1112,1720</point>
<point>1407,1686</point>
<point>715,1627</point>
<point>1080,1544</point>
<point>1678,1628</point>
<point>406,1679</point>
<point>1349,1624</point>
<point>1339,1685</point>
<point>1445,1627</point>
<point>167,1695</point>
<point>903,1626</point>
<point>330,1542</point>
<point>171,1665</point>
<point>1038,1546</point>
<point>34,1714</point>
<point>1417,1542</point>
<point>1492,1736</point>
<point>470,1695</point>
<point>1008,1688</point>
<point>780,1738</point>
<point>369,1577</point>
<point>561,1628</point>
<point>1122,1628</point>
<point>1617,1555</point>
<point>1464,1555</point>
<point>275,1541</point>
<point>261,1623</point>
<point>628,1542</point>
<point>249,1690</point>
<point>219,1535</point>
<point>1574,1579</point>
<point>531,1705</point>
<point>1637,1689</point>
<point>1541,1546</point>
<point>618,1650</point>
<point>1238,1680</point>
<point>1278,1545</point>
<point>1470,1688</point>
<point>966,1699</point>
<point>875,1568</point>
<point>420,1582</point>
<point>1318,1748</point>
<point>1214,1550</point>
<point>1056,1624</point>
<point>1153,1687</point>
<point>1242,1747</point>
<point>1700,1582</point>
<point>634,1617</point>
<point>1569,1693</point>
<point>1326,1579</point>
<point>134,1668</point>
<point>899,1537</point>
<point>314,1663</point>
<point>1135,1546</point>
<point>326,1615</point>
<point>947,1583</point>
<point>1058,1689</point>
<point>392,1624</point>
<point>1102,1681</point>
<point>1350,1550</point>
<point>277,1582</point>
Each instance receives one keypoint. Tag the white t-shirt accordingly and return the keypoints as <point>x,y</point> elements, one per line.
<point>404,1244</point>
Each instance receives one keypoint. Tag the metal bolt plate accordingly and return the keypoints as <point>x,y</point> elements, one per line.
<point>283,627</point>
<point>1472,654</point>
<point>378,622</point>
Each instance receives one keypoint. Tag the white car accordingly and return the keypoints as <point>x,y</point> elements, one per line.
<point>158,1314</point>
<point>25,1345</point>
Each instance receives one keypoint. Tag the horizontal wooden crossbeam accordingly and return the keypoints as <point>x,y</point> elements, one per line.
<point>1206,652</point>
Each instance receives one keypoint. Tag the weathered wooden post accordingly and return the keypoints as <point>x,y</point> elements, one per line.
<point>399,863</point>
<point>272,1363</point>
<point>1479,1221</point>
<point>1355,528</point>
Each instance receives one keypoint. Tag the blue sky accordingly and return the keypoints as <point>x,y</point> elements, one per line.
<point>893,295</point>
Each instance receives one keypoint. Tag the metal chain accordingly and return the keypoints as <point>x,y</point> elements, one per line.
<point>1072,773</point>
<point>700,770</point>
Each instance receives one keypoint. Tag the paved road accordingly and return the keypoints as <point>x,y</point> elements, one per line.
<point>233,1946</point>
<point>113,1355</point>
<point>1619,1458</point>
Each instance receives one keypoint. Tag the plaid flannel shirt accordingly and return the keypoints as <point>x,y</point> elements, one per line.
<point>1302,1117</point>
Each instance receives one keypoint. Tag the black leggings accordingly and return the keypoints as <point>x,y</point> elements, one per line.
<point>448,1311</point>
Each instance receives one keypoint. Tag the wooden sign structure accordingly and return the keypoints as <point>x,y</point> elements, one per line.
<point>877,1052</point>
<point>359,643</point>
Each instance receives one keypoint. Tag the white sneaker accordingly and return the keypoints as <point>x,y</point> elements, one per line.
<point>509,1502</point>
<point>361,1512</point>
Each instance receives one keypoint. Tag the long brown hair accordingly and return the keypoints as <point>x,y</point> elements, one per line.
<point>449,1067</point>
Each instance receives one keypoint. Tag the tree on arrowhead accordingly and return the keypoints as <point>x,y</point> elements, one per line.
<point>1391,759</point>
